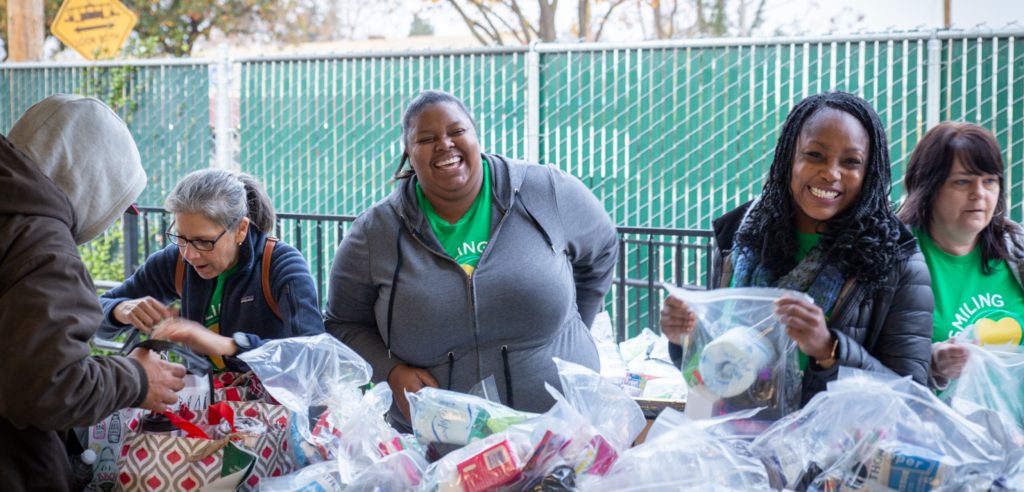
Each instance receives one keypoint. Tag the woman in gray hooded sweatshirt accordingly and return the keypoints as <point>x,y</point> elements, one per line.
<point>476,265</point>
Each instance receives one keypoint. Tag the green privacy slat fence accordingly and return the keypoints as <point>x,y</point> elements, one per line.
<point>983,82</point>
<point>667,135</point>
<point>166,106</point>
<point>674,137</point>
<point>325,134</point>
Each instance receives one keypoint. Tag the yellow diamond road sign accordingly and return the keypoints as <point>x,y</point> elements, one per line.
<point>94,28</point>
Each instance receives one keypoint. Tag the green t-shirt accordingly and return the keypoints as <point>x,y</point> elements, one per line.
<point>965,296</point>
<point>212,318</point>
<point>806,241</point>
<point>466,239</point>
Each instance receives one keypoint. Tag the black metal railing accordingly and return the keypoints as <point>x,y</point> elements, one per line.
<point>647,258</point>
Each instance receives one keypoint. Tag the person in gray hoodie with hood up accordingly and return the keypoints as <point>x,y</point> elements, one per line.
<point>68,168</point>
<point>476,265</point>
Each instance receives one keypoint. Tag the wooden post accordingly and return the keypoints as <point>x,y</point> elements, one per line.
<point>946,13</point>
<point>25,30</point>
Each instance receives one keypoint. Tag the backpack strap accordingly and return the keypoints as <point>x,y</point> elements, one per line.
<point>268,252</point>
<point>179,275</point>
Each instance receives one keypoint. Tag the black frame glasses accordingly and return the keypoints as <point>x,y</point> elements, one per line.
<point>198,244</point>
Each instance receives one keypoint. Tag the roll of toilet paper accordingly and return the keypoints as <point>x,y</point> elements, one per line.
<point>731,362</point>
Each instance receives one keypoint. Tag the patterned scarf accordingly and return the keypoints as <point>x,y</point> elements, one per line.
<point>814,275</point>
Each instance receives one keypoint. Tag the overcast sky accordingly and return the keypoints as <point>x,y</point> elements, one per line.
<point>812,17</point>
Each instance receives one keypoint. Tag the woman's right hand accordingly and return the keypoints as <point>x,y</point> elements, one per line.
<point>677,319</point>
<point>949,358</point>
<point>143,313</point>
<point>408,378</point>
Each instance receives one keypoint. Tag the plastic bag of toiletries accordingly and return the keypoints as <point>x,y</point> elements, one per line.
<point>304,372</point>
<point>684,454</point>
<point>739,357</point>
<point>442,416</point>
<point>870,432</point>
<point>991,379</point>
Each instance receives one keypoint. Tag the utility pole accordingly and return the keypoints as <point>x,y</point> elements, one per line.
<point>25,26</point>
<point>946,13</point>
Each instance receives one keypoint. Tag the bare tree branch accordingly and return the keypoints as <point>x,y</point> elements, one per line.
<point>488,14</point>
<point>672,18</point>
<point>524,22</point>
<point>758,17</point>
<point>604,18</point>
<point>470,23</point>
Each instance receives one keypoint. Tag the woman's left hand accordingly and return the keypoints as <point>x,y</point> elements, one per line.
<point>195,336</point>
<point>805,324</point>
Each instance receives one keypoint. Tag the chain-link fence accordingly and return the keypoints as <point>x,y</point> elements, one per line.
<point>165,104</point>
<point>667,135</point>
<point>325,134</point>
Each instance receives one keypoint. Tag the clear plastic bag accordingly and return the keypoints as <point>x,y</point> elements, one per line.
<point>739,356</point>
<point>362,437</point>
<point>485,464</point>
<point>604,405</point>
<point>991,379</point>
<point>319,477</point>
<point>869,432</point>
<point>399,471</point>
<point>304,372</point>
<point>1012,479</point>
<point>457,418</point>
<point>681,454</point>
<point>612,366</point>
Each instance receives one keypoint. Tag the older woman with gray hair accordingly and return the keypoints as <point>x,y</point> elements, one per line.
<point>238,285</point>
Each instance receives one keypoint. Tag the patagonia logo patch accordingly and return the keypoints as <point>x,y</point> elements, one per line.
<point>247,299</point>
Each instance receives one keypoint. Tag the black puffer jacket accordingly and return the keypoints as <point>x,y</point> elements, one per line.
<point>888,330</point>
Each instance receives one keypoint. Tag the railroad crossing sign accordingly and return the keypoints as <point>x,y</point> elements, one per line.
<point>94,28</point>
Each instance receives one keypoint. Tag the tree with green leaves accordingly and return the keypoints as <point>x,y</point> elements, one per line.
<point>173,27</point>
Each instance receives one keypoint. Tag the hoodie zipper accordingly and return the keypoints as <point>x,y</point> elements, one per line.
<point>471,284</point>
<point>472,280</point>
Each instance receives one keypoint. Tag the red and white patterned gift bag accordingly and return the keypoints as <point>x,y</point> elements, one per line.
<point>238,386</point>
<point>106,438</point>
<point>167,462</point>
<point>274,457</point>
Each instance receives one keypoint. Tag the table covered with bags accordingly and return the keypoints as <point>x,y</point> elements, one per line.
<point>305,420</point>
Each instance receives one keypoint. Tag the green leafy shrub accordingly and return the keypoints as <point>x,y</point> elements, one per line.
<point>104,256</point>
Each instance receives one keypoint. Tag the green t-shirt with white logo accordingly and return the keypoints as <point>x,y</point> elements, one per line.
<point>466,239</point>
<point>965,296</point>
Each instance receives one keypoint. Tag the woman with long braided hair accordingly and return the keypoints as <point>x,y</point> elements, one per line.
<point>823,225</point>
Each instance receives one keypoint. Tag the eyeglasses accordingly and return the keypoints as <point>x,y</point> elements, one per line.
<point>199,244</point>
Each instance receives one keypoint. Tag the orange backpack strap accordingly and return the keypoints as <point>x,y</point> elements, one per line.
<point>179,275</point>
<point>268,252</point>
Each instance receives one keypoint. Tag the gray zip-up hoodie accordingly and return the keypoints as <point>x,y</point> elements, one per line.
<point>538,285</point>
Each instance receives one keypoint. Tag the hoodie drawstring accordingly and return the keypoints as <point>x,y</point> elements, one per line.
<point>451,368</point>
<point>394,287</point>
<point>508,376</point>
